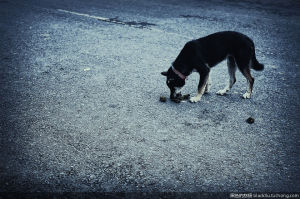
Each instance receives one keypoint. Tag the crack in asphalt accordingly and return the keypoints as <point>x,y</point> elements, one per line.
<point>134,24</point>
<point>115,20</point>
<point>128,23</point>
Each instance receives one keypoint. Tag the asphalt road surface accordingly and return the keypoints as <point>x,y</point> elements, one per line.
<point>79,98</point>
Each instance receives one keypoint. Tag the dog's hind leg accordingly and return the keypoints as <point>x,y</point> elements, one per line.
<point>244,62</point>
<point>231,70</point>
<point>250,79</point>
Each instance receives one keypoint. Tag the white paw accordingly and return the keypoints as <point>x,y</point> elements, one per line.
<point>221,92</point>
<point>247,95</point>
<point>195,99</point>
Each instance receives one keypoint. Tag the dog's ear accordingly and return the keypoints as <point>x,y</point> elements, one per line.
<point>164,73</point>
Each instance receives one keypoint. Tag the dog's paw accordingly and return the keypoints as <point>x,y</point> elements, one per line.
<point>222,92</point>
<point>195,99</point>
<point>247,95</point>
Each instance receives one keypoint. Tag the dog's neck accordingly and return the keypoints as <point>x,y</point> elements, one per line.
<point>177,72</point>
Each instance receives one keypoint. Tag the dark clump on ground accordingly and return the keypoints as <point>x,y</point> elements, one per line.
<point>179,97</point>
<point>162,99</point>
<point>250,120</point>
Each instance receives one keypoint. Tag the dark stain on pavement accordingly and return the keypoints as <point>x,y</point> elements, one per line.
<point>136,24</point>
<point>201,17</point>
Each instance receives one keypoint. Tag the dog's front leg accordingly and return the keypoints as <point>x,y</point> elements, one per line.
<point>204,75</point>
<point>208,85</point>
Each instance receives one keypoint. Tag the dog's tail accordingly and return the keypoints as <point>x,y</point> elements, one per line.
<point>255,64</point>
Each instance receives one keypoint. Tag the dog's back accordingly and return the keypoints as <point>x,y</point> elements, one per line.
<point>216,47</point>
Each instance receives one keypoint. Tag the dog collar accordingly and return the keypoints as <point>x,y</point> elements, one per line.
<point>178,73</point>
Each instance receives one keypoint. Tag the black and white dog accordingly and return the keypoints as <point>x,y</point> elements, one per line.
<point>202,54</point>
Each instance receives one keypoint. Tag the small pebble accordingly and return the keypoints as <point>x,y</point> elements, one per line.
<point>162,99</point>
<point>250,120</point>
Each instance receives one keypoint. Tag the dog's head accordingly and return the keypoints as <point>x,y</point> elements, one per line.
<point>175,81</point>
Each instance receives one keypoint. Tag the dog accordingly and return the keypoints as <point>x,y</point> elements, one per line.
<point>202,54</point>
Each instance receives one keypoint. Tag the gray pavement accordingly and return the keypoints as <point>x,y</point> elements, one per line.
<point>79,98</point>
